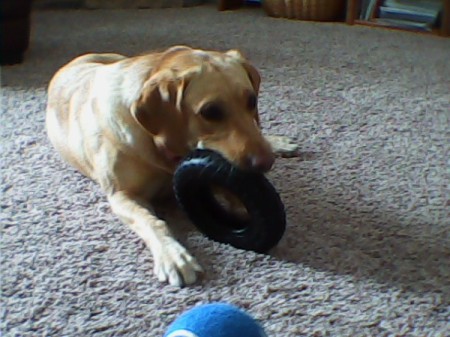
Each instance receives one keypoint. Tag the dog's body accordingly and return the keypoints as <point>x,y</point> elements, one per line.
<point>126,122</point>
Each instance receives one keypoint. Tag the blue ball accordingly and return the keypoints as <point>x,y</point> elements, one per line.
<point>215,320</point>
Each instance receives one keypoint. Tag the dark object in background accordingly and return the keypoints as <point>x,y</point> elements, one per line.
<point>262,224</point>
<point>14,30</point>
<point>312,10</point>
<point>224,5</point>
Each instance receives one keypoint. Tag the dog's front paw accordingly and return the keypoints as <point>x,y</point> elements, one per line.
<point>175,265</point>
<point>283,146</point>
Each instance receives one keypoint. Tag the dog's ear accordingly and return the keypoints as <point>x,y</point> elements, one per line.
<point>253,75</point>
<point>255,78</point>
<point>252,72</point>
<point>159,104</point>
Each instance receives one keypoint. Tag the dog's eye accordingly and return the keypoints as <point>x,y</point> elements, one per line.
<point>212,112</point>
<point>252,101</point>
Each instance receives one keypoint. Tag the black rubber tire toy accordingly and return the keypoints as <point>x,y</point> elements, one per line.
<point>266,221</point>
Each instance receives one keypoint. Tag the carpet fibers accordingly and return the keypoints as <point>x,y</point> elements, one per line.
<point>367,246</point>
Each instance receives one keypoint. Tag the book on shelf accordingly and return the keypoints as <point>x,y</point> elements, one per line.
<point>428,17</point>
<point>367,9</point>
<point>404,24</point>
<point>422,6</point>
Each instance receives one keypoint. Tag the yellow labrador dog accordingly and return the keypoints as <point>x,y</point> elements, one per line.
<point>126,122</point>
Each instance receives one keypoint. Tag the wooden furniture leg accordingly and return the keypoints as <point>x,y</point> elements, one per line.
<point>351,11</point>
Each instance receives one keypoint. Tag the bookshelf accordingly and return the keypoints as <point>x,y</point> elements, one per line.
<point>353,18</point>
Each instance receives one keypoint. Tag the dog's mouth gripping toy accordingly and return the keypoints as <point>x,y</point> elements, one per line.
<point>205,183</point>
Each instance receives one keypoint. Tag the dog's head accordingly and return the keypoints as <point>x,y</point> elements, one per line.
<point>205,99</point>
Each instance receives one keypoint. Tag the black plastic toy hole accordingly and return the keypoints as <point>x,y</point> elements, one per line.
<point>231,204</point>
<point>231,207</point>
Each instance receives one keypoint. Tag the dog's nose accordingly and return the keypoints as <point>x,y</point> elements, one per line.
<point>262,162</point>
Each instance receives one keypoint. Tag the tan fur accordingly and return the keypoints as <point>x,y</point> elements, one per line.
<point>125,122</point>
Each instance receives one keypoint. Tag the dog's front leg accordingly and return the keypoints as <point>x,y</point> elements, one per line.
<point>171,260</point>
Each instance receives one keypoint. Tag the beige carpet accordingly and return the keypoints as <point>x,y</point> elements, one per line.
<point>367,247</point>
